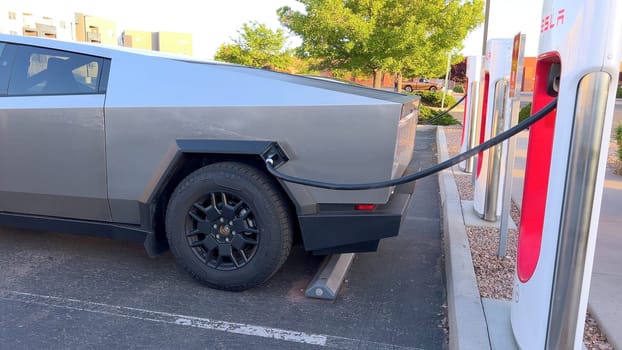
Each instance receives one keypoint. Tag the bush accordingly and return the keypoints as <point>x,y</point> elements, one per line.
<point>426,113</point>
<point>434,98</point>
<point>458,89</point>
<point>524,113</point>
<point>619,92</point>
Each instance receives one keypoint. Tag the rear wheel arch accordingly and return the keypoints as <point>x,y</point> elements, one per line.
<point>189,159</point>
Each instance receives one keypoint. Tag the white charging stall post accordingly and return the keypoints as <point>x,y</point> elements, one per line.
<point>495,80</point>
<point>511,117</point>
<point>578,62</point>
<point>469,125</point>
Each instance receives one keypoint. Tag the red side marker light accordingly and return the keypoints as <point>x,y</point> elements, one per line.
<point>365,207</point>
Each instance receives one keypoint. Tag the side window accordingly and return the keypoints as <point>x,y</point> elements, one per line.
<point>6,57</point>
<point>38,71</point>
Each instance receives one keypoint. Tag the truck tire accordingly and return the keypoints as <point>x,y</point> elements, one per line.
<point>408,88</point>
<point>229,226</point>
<point>433,88</point>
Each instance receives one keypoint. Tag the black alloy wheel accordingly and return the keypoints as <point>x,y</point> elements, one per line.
<point>222,231</point>
<point>229,225</point>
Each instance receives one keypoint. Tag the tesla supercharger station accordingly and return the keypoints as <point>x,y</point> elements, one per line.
<point>469,130</point>
<point>578,62</point>
<point>495,75</point>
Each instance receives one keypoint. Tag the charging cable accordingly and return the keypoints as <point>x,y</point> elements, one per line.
<point>436,117</point>
<point>423,173</point>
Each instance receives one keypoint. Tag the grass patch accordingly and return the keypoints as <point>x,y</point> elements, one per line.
<point>427,113</point>
<point>524,113</point>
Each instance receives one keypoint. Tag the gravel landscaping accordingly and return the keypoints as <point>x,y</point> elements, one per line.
<point>495,275</point>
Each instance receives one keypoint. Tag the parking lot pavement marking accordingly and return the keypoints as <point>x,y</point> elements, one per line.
<point>327,341</point>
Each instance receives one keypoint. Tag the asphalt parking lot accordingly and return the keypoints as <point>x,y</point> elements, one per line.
<point>62,291</point>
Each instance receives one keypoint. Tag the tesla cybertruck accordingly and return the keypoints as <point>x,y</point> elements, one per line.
<point>170,152</point>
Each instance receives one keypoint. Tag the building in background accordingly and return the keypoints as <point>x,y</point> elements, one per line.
<point>93,29</point>
<point>179,43</point>
<point>86,28</point>
<point>17,21</point>
<point>138,39</point>
<point>171,42</point>
<point>529,73</point>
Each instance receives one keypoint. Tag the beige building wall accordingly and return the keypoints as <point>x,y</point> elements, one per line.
<point>138,39</point>
<point>95,29</point>
<point>172,42</point>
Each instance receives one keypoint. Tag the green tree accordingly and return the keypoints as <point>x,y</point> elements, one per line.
<point>258,46</point>
<point>406,37</point>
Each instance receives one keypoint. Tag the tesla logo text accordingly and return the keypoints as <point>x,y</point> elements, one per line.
<point>551,21</point>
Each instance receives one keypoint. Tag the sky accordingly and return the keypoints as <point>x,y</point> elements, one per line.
<point>215,22</point>
<point>507,18</point>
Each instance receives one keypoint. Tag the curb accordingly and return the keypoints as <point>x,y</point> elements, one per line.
<point>466,320</point>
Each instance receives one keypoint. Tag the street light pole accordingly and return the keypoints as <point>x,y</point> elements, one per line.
<point>446,83</point>
<point>486,14</point>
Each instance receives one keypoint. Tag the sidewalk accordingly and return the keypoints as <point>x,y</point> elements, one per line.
<point>482,323</point>
<point>605,303</point>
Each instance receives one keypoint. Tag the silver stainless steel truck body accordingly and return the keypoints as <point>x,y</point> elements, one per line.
<point>110,148</point>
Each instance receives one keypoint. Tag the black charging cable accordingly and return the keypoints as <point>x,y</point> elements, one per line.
<point>438,116</point>
<point>423,173</point>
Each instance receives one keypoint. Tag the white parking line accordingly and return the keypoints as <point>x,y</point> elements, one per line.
<point>197,322</point>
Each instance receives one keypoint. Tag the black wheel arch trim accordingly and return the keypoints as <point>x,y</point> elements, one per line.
<point>178,155</point>
<point>175,158</point>
<point>249,147</point>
